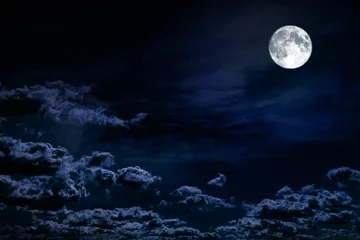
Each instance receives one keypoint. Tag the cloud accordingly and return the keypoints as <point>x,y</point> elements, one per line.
<point>31,157</point>
<point>73,190</point>
<point>36,187</point>
<point>7,184</point>
<point>64,103</point>
<point>138,118</point>
<point>119,223</point>
<point>344,176</point>
<point>195,199</point>
<point>206,202</point>
<point>2,206</point>
<point>310,213</point>
<point>56,176</point>
<point>102,159</point>
<point>40,187</point>
<point>185,191</point>
<point>136,177</point>
<point>103,176</point>
<point>51,172</point>
<point>218,181</point>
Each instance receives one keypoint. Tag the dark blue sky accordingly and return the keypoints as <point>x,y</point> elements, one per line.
<point>215,101</point>
<point>201,71</point>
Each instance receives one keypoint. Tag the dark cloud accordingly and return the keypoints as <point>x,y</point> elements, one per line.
<point>31,157</point>
<point>52,173</point>
<point>310,213</point>
<point>103,176</point>
<point>284,191</point>
<point>63,104</point>
<point>7,184</point>
<point>344,176</point>
<point>206,202</point>
<point>136,177</point>
<point>40,187</point>
<point>185,191</point>
<point>119,223</point>
<point>102,159</point>
<point>2,206</point>
<point>58,174</point>
<point>73,189</point>
<point>218,181</point>
<point>36,187</point>
<point>195,199</point>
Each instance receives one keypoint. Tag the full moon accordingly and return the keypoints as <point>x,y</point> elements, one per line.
<point>290,47</point>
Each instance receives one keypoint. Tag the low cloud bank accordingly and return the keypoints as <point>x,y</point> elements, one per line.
<point>35,171</point>
<point>309,213</point>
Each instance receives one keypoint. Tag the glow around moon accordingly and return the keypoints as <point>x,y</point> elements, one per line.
<point>290,47</point>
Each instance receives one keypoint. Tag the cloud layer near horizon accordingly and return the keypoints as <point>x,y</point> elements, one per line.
<point>53,173</point>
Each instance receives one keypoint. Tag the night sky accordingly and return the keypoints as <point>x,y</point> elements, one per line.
<point>171,121</point>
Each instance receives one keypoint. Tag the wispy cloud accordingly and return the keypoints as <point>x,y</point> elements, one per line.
<point>218,181</point>
<point>64,103</point>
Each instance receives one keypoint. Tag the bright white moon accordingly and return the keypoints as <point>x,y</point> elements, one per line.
<point>290,47</point>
